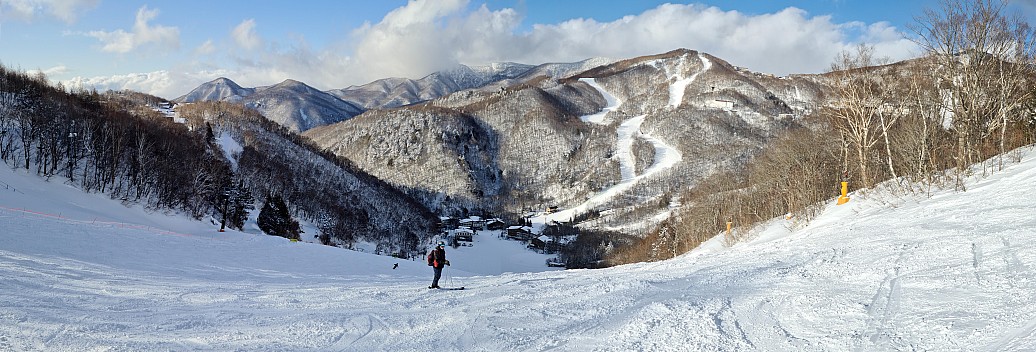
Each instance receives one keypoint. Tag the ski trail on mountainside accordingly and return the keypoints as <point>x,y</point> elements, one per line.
<point>613,103</point>
<point>665,157</point>
<point>624,146</point>
<point>677,88</point>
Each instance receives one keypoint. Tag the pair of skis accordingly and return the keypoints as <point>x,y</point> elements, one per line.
<point>448,288</point>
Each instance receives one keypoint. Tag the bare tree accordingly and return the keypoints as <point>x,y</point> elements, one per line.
<point>982,58</point>
<point>863,111</point>
<point>919,130</point>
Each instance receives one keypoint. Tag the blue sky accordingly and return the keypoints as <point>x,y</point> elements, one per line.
<point>168,47</point>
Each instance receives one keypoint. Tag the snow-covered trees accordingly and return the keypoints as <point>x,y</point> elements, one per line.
<point>115,144</point>
<point>343,202</point>
<point>234,205</point>
<point>106,143</point>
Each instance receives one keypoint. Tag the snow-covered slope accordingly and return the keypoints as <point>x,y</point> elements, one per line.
<point>665,157</point>
<point>220,89</point>
<point>299,107</point>
<point>291,103</point>
<point>395,92</point>
<point>954,271</point>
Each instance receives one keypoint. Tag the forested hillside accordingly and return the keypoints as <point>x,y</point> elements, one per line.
<point>118,143</point>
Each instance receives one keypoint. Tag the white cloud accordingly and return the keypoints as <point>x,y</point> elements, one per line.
<point>50,72</point>
<point>206,48</point>
<point>121,42</point>
<point>424,36</point>
<point>65,10</point>
<point>244,35</point>
<point>166,84</point>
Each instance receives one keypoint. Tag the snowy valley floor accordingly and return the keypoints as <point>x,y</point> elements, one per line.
<point>954,272</point>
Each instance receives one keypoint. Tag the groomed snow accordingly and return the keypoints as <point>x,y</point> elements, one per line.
<point>956,271</point>
<point>679,85</point>
<point>612,103</point>
<point>627,132</point>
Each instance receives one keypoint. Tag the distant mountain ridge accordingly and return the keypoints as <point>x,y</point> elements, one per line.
<point>291,103</point>
<point>300,107</point>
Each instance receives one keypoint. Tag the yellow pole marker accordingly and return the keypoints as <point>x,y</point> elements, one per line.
<point>844,198</point>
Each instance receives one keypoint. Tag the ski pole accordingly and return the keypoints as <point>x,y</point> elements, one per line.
<point>454,284</point>
<point>449,278</point>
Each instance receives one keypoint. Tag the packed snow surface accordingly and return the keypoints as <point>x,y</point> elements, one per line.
<point>627,132</point>
<point>947,272</point>
<point>611,101</point>
<point>679,85</point>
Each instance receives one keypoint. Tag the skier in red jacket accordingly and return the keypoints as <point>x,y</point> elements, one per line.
<point>437,259</point>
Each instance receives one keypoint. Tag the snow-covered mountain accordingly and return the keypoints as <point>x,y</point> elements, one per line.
<point>300,107</point>
<point>220,89</point>
<point>291,103</point>
<point>937,272</point>
<point>395,92</point>
<point>640,131</point>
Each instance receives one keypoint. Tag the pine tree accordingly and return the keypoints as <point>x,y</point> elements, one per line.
<point>234,205</point>
<point>275,220</point>
<point>241,203</point>
<point>209,136</point>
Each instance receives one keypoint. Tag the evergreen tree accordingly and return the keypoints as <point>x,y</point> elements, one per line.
<point>209,136</point>
<point>235,204</point>
<point>275,220</point>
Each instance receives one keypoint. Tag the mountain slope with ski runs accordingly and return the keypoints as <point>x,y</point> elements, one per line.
<point>614,142</point>
<point>888,271</point>
<point>641,130</point>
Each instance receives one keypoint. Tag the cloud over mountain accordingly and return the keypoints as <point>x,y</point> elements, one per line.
<point>244,35</point>
<point>789,41</point>
<point>422,37</point>
<point>143,33</point>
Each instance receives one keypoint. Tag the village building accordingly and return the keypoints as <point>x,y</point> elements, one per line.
<point>495,225</point>
<point>520,233</point>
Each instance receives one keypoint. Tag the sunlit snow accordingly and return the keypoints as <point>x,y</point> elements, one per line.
<point>666,157</point>
<point>679,85</point>
<point>953,271</point>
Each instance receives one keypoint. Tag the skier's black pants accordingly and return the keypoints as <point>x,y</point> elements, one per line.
<point>438,274</point>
